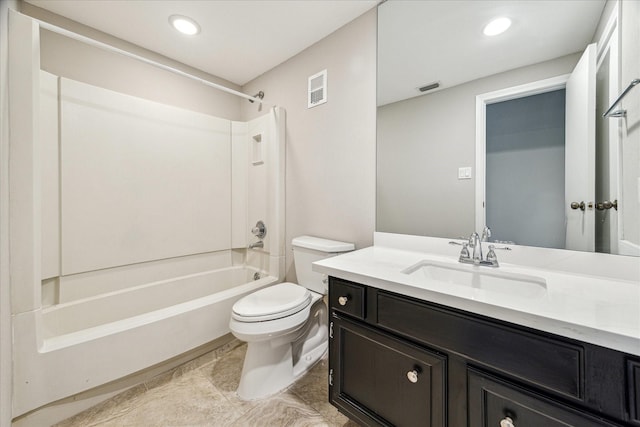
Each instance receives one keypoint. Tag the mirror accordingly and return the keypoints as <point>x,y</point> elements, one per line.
<point>436,69</point>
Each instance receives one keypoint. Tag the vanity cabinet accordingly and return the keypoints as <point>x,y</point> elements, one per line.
<point>403,373</point>
<point>395,360</point>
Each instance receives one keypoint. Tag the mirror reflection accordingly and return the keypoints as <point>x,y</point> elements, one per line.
<point>507,130</point>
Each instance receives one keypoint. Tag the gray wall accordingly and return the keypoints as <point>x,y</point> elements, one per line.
<point>421,144</point>
<point>330,166</point>
<point>525,170</point>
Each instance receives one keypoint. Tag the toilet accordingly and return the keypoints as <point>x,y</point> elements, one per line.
<point>285,325</point>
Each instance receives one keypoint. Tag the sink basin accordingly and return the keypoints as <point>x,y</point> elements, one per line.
<point>490,280</point>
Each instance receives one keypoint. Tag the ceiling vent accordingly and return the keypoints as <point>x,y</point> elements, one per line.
<point>317,93</point>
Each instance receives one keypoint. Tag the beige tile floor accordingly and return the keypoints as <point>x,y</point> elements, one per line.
<point>202,393</point>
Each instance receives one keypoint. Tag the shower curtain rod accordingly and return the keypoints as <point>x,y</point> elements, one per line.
<point>110,48</point>
<point>620,113</point>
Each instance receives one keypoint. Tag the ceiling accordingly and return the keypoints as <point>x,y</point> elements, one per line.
<point>421,42</point>
<point>239,39</point>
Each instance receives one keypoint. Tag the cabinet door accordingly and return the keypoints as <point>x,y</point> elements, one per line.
<point>380,380</point>
<point>493,402</point>
<point>633,379</point>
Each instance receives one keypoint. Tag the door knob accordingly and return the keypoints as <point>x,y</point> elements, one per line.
<point>412,376</point>
<point>607,205</point>
<point>582,205</point>
<point>576,205</point>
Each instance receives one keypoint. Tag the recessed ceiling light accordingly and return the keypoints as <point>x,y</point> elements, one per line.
<point>497,26</point>
<point>184,24</point>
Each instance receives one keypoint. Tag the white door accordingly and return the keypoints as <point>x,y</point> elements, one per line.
<point>607,146</point>
<point>580,153</point>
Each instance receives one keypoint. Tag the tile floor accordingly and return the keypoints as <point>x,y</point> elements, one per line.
<point>202,393</point>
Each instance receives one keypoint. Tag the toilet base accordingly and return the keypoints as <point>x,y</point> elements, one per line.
<point>271,366</point>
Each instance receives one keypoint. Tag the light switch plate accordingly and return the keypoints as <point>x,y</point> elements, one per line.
<point>464,173</point>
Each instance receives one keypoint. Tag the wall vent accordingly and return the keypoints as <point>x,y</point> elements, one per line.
<point>317,93</point>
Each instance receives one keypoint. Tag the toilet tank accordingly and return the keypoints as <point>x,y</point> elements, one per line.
<point>308,249</point>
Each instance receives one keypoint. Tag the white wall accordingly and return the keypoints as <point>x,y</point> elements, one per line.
<point>6,377</point>
<point>140,181</point>
<point>330,155</point>
<point>421,144</point>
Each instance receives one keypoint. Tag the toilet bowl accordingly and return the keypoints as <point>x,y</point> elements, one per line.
<point>285,325</point>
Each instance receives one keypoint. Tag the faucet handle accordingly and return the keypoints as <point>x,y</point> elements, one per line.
<point>473,239</point>
<point>486,233</point>
<point>260,230</point>
<point>464,252</point>
<point>491,256</point>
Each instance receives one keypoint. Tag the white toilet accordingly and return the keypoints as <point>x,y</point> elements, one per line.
<point>285,325</point>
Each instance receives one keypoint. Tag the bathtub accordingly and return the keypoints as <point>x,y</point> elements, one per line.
<point>92,341</point>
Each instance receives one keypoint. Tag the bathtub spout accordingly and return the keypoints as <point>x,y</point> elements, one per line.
<point>258,244</point>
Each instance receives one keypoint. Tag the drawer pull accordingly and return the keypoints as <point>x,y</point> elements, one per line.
<point>507,422</point>
<point>412,376</point>
<point>343,300</point>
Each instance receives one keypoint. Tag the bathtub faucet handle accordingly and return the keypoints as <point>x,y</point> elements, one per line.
<point>260,230</point>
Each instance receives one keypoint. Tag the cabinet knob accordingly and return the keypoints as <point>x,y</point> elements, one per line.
<point>507,422</point>
<point>412,376</point>
<point>343,300</point>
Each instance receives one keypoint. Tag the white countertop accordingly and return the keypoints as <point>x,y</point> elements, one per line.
<point>589,297</point>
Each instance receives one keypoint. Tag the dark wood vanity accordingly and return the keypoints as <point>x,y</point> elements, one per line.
<point>396,360</point>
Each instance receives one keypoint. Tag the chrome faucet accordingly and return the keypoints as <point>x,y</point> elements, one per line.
<point>475,243</point>
<point>260,230</point>
<point>258,244</point>
<point>486,233</point>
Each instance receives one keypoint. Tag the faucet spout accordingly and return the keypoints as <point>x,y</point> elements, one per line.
<point>258,244</point>
<point>476,244</point>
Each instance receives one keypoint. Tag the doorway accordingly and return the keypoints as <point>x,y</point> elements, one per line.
<point>525,169</point>
<point>520,121</point>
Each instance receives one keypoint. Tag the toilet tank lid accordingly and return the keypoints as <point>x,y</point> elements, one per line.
<point>322,245</point>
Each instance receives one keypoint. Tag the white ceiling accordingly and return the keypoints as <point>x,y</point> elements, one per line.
<point>239,40</point>
<point>421,42</point>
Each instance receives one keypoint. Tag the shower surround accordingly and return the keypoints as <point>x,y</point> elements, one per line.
<point>130,222</point>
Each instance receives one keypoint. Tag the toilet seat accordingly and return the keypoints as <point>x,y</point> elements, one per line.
<point>270,303</point>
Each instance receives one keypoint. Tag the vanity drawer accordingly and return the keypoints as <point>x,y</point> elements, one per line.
<point>347,297</point>
<point>493,402</point>
<point>555,365</point>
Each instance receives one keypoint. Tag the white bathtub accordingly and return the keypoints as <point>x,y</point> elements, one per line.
<point>90,342</point>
